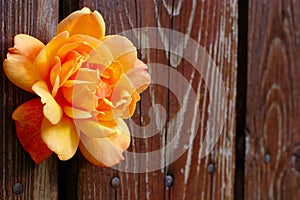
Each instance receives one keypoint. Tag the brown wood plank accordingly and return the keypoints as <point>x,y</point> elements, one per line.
<point>117,19</point>
<point>213,24</point>
<point>39,19</point>
<point>272,117</point>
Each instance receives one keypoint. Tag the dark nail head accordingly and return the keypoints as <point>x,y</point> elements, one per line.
<point>115,182</point>
<point>169,180</point>
<point>17,188</point>
<point>267,158</point>
<point>211,168</point>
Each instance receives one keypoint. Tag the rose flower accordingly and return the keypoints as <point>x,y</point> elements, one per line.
<point>87,84</point>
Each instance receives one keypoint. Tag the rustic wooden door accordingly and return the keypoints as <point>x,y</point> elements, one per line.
<point>259,112</point>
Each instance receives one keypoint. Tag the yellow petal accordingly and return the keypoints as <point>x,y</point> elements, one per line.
<point>106,151</point>
<point>45,59</point>
<point>83,22</point>
<point>19,63</point>
<point>93,128</point>
<point>52,111</point>
<point>61,138</point>
<point>71,83</point>
<point>76,113</point>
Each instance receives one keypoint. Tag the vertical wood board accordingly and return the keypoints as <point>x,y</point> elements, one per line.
<point>272,116</point>
<point>39,19</point>
<point>213,24</point>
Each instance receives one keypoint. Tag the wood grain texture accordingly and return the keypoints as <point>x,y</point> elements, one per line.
<point>39,19</point>
<point>213,24</point>
<point>272,118</point>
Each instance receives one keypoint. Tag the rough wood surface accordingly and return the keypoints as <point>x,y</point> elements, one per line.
<point>37,18</point>
<point>214,25</point>
<point>272,130</point>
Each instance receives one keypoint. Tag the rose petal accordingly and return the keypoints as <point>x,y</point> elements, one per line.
<point>19,63</point>
<point>100,56</point>
<point>54,76</point>
<point>124,98</point>
<point>52,111</point>
<point>125,108</point>
<point>19,71</point>
<point>76,46</point>
<point>27,46</point>
<point>61,138</point>
<point>60,74</point>
<point>93,42</point>
<point>106,151</point>
<point>83,22</point>
<point>82,95</point>
<point>45,58</point>
<point>76,113</point>
<point>93,128</point>
<point>139,76</point>
<point>122,49</point>
<point>28,119</point>
<point>112,73</point>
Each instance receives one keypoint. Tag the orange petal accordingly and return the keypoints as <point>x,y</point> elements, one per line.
<point>61,73</point>
<point>45,59</point>
<point>123,99</point>
<point>135,97</point>
<point>83,22</point>
<point>19,63</point>
<point>93,42</point>
<point>139,76</point>
<point>76,46</point>
<point>27,46</point>
<point>106,151</point>
<point>66,48</point>
<point>112,73</point>
<point>54,75</point>
<point>122,50</point>
<point>61,138</point>
<point>28,119</point>
<point>80,96</point>
<point>100,56</point>
<point>52,111</point>
<point>123,108</point>
<point>19,71</point>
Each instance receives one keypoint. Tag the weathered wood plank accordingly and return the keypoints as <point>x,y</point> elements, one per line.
<point>272,118</point>
<point>213,24</point>
<point>117,18</point>
<point>37,18</point>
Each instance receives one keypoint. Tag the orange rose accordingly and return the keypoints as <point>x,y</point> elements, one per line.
<point>87,84</point>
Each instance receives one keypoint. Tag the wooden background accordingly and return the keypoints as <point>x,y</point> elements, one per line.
<point>256,46</point>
